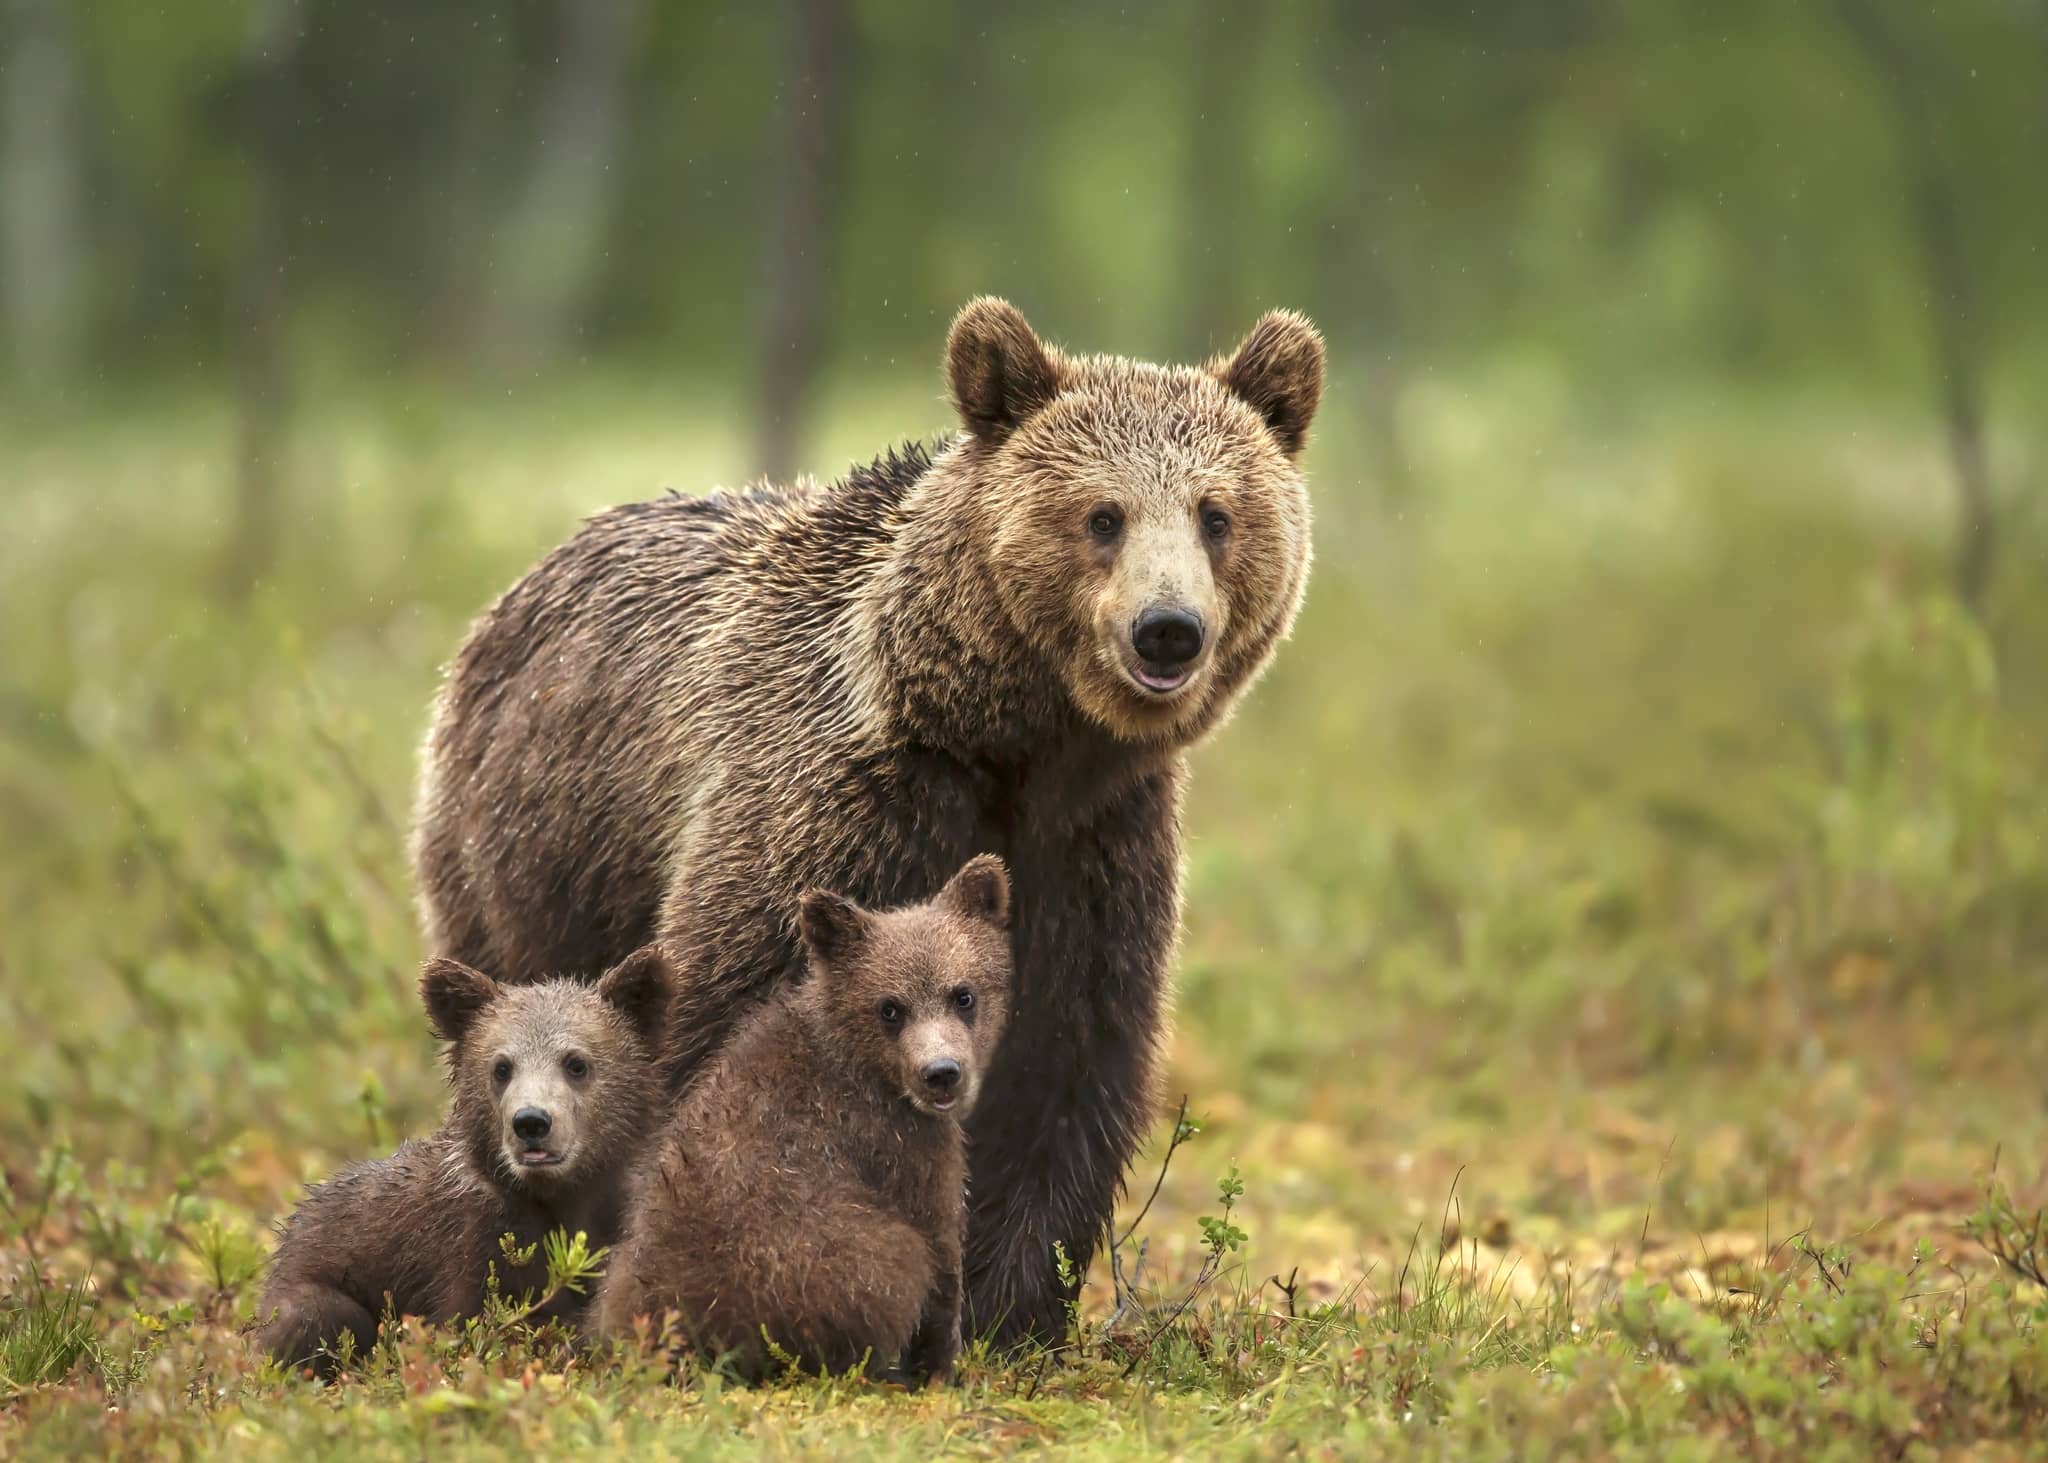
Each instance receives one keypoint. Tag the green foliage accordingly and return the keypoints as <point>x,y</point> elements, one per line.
<point>1218,1233</point>
<point>44,1331</point>
<point>2016,1238</point>
<point>1922,791</point>
<point>572,1264</point>
<point>1723,193</point>
<point>231,1255</point>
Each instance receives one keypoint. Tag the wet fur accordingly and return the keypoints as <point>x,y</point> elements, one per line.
<point>416,1233</point>
<point>697,708</point>
<point>801,1195</point>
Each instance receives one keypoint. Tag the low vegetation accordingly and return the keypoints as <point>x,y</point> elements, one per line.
<point>1609,1006</point>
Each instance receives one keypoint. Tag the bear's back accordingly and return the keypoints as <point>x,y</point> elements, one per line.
<point>574,723</point>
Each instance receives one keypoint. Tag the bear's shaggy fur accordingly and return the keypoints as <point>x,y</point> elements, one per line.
<point>812,1188</point>
<point>418,1232</point>
<point>698,708</point>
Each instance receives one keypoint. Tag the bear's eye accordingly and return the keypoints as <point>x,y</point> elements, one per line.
<point>576,1066</point>
<point>1105,524</point>
<point>963,999</point>
<point>891,1013</point>
<point>502,1073</point>
<point>1216,523</point>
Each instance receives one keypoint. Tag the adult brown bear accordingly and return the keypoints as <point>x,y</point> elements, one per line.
<point>698,708</point>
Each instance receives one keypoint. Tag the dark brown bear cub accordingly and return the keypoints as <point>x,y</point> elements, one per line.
<point>556,1093</point>
<point>811,1190</point>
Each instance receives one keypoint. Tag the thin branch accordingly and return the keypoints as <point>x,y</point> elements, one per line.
<point>1181,1134</point>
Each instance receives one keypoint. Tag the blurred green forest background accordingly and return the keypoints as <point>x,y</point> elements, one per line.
<point>769,205</point>
<point>1646,818</point>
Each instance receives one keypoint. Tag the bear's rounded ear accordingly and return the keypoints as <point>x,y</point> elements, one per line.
<point>638,988</point>
<point>832,925</point>
<point>998,371</point>
<point>454,995</point>
<point>1278,372</point>
<point>981,890</point>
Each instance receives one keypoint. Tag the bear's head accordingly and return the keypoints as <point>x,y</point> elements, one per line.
<point>1148,524</point>
<point>914,998</point>
<point>557,1081</point>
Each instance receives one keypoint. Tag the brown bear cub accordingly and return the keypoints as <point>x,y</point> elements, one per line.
<point>557,1092</point>
<point>811,1191</point>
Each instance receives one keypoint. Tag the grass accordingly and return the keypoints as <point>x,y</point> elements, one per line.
<point>43,1334</point>
<point>1608,1002</point>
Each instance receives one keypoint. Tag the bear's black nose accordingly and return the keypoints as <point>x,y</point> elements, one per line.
<point>1166,635</point>
<point>531,1124</point>
<point>942,1075</point>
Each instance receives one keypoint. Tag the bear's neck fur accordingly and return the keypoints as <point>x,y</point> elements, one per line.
<point>589,1198</point>
<point>938,662</point>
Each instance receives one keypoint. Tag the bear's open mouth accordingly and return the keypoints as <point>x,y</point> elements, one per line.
<point>1160,680</point>
<point>536,1158</point>
<point>1172,680</point>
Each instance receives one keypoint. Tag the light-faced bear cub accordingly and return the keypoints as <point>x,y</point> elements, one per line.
<point>557,1092</point>
<point>811,1190</point>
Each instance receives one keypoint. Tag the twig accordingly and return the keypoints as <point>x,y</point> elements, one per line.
<point>1203,1278</point>
<point>1820,1263</point>
<point>1126,1290</point>
<point>1286,1287</point>
<point>1181,1134</point>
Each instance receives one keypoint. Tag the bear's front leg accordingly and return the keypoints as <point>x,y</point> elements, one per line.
<point>308,1326</point>
<point>1071,1091</point>
<point>936,1345</point>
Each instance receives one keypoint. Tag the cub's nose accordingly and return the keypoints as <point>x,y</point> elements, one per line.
<point>531,1124</point>
<point>1166,635</point>
<point>942,1075</point>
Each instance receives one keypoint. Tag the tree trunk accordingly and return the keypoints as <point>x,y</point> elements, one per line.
<point>552,242</point>
<point>260,295</point>
<point>40,237</point>
<point>1937,219</point>
<point>1218,218</point>
<point>1353,269</point>
<point>802,231</point>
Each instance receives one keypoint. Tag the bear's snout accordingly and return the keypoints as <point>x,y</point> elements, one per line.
<point>941,1077</point>
<point>531,1124</point>
<point>1167,637</point>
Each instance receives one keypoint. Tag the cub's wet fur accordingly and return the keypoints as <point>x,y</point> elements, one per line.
<point>557,1091</point>
<point>811,1189</point>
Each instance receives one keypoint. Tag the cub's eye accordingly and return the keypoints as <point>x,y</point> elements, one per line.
<point>1216,523</point>
<point>891,1013</point>
<point>503,1071</point>
<point>1105,524</point>
<point>963,999</point>
<point>576,1066</point>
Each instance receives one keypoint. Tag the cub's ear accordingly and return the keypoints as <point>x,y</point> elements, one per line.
<point>1278,372</point>
<point>981,890</point>
<point>997,370</point>
<point>638,988</point>
<point>832,926</point>
<point>454,996</point>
